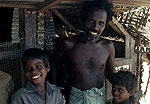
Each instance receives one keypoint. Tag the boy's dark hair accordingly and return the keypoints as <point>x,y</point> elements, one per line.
<point>101,4</point>
<point>126,79</point>
<point>35,53</point>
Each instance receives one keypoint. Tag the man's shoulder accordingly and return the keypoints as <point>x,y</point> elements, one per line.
<point>61,40</point>
<point>106,41</point>
<point>73,38</point>
<point>70,42</point>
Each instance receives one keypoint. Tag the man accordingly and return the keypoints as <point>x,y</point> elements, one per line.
<point>89,57</point>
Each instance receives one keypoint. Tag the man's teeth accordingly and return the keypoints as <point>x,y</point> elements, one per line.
<point>35,77</point>
<point>93,33</point>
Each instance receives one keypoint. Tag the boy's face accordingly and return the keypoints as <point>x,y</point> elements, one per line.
<point>120,93</point>
<point>36,71</point>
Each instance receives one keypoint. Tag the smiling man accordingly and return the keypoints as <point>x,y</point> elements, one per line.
<point>89,57</point>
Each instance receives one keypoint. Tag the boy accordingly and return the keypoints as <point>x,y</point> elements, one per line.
<point>37,91</point>
<point>123,86</point>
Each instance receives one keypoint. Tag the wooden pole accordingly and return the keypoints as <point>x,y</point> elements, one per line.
<point>57,13</point>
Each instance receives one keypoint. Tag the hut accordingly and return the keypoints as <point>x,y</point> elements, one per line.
<point>36,23</point>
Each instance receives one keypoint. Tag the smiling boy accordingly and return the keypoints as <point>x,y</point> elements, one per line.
<point>37,91</point>
<point>124,84</point>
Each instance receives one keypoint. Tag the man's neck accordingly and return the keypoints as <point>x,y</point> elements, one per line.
<point>90,39</point>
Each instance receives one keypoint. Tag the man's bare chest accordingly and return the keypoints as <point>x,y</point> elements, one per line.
<point>89,50</point>
<point>88,54</point>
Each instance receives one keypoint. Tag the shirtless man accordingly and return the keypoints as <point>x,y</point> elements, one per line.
<point>89,57</point>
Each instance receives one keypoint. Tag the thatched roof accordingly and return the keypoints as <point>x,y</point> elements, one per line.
<point>65,3</point>
<point>129,25</point>
<point>136,22</point>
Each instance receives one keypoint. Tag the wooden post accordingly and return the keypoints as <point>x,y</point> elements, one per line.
<point>22,27</point>
<point>57,13</point>
<point>30,29</point>
<point>138,68</point>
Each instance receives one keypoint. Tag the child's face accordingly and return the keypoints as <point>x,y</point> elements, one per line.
<point>120,93</point>
<point>36,71</point>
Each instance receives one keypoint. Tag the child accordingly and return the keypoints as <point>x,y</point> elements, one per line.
<point>123,86</point>
<point>37,91</point>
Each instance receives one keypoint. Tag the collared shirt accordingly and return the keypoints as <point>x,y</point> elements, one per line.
<point>119,103</point>
<point>30,95</point>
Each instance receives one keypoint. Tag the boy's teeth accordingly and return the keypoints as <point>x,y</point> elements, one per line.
<point>116,98</point>
<point>35,77</point>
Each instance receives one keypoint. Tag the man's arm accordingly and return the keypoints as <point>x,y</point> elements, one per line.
<point>59,50</point>
<point>60,59</point>
<point>61,47</point>
<point>110,61</point>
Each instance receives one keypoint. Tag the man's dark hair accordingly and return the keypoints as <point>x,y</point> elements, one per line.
<point>126,79</point>
<point>100,4</point>
<point>35,53</point>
